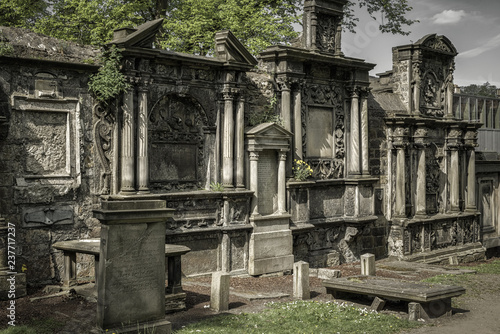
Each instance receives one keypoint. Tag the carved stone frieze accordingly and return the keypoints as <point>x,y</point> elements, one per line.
<point>326,32</point>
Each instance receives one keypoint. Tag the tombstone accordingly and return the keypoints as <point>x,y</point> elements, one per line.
<point>301,288</point>
<point>368,264</point>
<point>271,243</point>
<point>131,275</point>
<point>219,294</point>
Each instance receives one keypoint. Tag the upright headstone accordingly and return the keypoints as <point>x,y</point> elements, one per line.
<point>368,264</point>
<point>219,296</point>
<point>301,288</point>
<point>131,275</point>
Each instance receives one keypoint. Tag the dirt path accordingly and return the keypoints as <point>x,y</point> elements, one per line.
<point>478,311</point>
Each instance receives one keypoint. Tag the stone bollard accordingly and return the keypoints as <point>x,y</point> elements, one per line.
<point>219,296</point>
<point>301,280</point>
<point>368,264</point>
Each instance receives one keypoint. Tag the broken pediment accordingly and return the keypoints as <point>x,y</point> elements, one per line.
<point>437,43</point>
<point>142,36</point>
<point>228,48</point>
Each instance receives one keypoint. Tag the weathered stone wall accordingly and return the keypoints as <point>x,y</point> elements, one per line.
<point>46,177</point>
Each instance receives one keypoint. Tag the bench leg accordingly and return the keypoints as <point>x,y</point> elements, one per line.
<point>174,275</point>
<point>96,272</point>
<point>438,308</point>
<point>378,304</point>
<point>69,278</point>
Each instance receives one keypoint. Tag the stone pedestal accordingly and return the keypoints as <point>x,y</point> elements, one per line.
<point>131,275</point>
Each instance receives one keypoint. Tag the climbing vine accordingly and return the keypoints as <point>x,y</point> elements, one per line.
<point>108,82</point>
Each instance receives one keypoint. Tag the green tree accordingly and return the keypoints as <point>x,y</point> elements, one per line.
<point>190,25</point>
<point>485,89</point>
<point>21,13</point>
<point>392,12</point>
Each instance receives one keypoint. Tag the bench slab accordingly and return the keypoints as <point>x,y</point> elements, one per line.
<point>425,300</point>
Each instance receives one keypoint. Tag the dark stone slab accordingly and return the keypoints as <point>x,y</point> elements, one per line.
<point>393,289</point>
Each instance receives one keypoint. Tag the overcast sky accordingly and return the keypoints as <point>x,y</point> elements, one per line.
<point>473,26</point>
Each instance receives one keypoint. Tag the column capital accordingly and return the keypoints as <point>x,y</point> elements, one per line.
<point>254,156</point>
<point>284,83</point>
<point>282,155</point>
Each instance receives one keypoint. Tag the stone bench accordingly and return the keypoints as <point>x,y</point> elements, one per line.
<point>425,300</point>
<point>70,248</point>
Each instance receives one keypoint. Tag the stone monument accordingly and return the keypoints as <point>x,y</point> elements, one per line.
<point>131,275</point>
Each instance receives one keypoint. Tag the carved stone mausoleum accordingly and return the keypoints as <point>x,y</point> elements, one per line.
<point>393,163</point>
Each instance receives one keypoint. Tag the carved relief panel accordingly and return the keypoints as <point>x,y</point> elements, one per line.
<point>177,142</point>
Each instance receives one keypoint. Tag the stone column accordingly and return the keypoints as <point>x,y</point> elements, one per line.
<point>354,168</point>
<point>365,165</point>
<point>470,142</point>
<point>454,180</point>
<point>285,103</point>
<point>127,144</point>
<point>400,143</point>
<point>454,144</point>
<point>420,201</point>
<point>142,142</point>
<point>297,113</point>
<point>281,183</point>
<point>254,181</point>
<point>240,143</point>
<point>227,142</point>
<point>338,40</point>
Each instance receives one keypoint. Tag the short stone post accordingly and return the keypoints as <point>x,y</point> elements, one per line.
<point>301,280</point>
<point>219,296</point>
<point>368,264</point>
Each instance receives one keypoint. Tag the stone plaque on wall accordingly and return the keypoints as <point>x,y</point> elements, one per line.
<point>319,129</point>
<point>268,182</point>
<point>174,162</point>
<point>46,138</point>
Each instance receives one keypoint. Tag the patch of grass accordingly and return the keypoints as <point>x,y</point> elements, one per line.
<point>37,326</point>
<point>487,268</point>
<point>303,317</point>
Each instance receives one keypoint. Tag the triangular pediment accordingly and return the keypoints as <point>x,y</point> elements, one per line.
<point>268,130</point>
<point>142,36</point>
<point>229,49</point>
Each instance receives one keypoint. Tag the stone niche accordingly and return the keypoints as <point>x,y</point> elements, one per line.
<point>271,242</point>
<point>178,131</point>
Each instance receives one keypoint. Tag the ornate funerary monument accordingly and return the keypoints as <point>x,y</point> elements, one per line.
<point>393,163</point>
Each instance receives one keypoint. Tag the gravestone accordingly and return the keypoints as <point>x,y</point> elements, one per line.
<point>131,275</point>
<point>301,288</point>
<point>219,294</point>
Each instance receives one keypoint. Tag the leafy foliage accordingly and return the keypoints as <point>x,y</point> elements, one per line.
<point>21,13</point>
<point>485,89</point>
<point>216,186</point>
<point>109,81</point>
<point>301,170</point>
<point>190,25</point>
<point>392,15</point>
<point>268,114</point>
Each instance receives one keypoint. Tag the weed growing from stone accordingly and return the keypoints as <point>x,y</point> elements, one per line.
<point>304,317</point>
